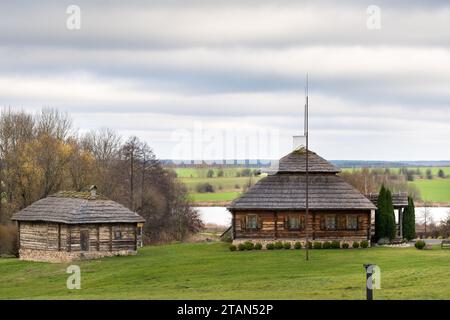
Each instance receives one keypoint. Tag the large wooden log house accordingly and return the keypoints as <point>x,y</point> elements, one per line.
<point>274,208</point>
<point>77,225</point>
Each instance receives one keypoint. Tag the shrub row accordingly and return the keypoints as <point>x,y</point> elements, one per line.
<point>248,245</point>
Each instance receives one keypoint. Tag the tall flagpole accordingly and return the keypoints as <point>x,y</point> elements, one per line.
<point>306,131</point>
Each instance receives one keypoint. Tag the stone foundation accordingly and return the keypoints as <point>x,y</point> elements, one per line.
<point>236,242</point>
<point>63,256</point>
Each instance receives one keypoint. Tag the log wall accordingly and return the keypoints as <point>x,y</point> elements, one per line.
<point>62,237</point>
<point>272,226</point>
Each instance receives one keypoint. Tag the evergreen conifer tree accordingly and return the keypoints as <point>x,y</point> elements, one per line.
<point>389,217</point>
<point>379,221</point>
<point>409,221</point>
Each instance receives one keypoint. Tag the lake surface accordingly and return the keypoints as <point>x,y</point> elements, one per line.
<point>221,216</point>
<point>218,215</point>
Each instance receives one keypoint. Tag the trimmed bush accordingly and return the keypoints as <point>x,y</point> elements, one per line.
<point>233,247</point>
<point>287,245</point>
<point>420,244</point>
<point>326,245</point>
<point>279,245</point>
<point>310,245</point>
<point>345,245</point>
<point>355,245</point>
<point>258,246</point>
<point>270,246</point>
<point>249,245</point>
<point>241,247</point>
<point>317,245</point>
<point>335,245</point>
<point>204,187</point>
<point>298,245</point>
<point>364,244</point>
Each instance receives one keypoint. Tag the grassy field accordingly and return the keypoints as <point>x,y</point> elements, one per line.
<point>435,190</point>
<point>211,271</point>
<point>214,197</point>
<point>226,188</point>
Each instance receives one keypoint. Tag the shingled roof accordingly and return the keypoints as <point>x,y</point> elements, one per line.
<point>285,190</point>
<point>399,200</point>
<point>296,162</point>
<point>77,208</point>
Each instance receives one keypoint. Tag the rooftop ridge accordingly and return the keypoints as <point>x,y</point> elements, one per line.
<point>295,162</point>
<point>84,195</point>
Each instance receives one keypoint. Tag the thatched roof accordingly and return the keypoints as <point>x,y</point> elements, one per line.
<point>287,192</point>
<point>77,208</point>
<point>296,162</point>
<point>399,200</point>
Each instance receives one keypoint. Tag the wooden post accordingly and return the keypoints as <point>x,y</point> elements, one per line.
<point>69,238</point>
<point>59,237</point>
<point>400,222</point>
<point>110,238</point>
<point>313,225</point>
<point>276,224</point>
<point>135,237</point>
<point>233,225</point>
<point>98,237</point>
<point>18,230</point>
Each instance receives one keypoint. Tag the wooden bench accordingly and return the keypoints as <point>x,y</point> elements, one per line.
<point>445,244</point>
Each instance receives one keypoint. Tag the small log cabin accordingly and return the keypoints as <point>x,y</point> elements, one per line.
<point>77,225</point>
<point>274,208</point>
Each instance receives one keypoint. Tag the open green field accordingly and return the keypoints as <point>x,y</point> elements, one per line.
<point>226,188</point>
<point>211,271</point>
<point>214,197</point>
<point>435,190</point>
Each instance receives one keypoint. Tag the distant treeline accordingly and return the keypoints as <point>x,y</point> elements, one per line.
<point>42,154</point>
<point>263,163</point>
<point>370,181</point>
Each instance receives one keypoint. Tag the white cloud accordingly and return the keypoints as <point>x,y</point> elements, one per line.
<point>152,68</point>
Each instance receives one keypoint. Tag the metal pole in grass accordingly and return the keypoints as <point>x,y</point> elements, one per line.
<point>306,129</point>
<point>373,274</point>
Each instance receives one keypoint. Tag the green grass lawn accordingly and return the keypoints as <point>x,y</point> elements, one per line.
<point>226,188</point>
<point>435,190</point>
<point>214,197</point>
<point>211,271</point>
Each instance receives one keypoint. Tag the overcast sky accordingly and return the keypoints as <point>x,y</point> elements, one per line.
<point>162,70</point>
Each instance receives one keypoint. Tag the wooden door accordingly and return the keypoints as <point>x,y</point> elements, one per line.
<point>84,240</point>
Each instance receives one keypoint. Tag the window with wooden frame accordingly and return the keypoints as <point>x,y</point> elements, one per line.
<point>252,222</point>
<point>295,222</point>
<point>117,233</point>
<point>352,222</point>
<point>330,222</point>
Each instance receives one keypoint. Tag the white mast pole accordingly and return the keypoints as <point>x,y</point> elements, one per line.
<point>306,129</point>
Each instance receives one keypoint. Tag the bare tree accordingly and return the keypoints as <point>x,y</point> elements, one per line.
<point>425,215</point>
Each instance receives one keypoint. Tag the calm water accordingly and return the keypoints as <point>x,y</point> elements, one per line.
<point>217,215</point>
<point>221,216</point>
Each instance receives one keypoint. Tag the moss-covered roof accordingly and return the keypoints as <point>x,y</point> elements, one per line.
<point>77,208</point>
<point>86,195</point>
